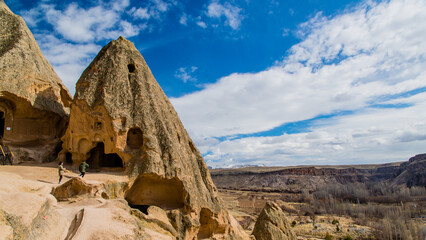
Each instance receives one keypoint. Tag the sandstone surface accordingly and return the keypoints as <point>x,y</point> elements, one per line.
<point>34,104</point>
<point>272,224</point>
<point>121,118</point>
<point>77,187</point>
<point>29,211</point>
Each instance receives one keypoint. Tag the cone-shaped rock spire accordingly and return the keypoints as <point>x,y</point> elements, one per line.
<point>25,72</point>
<point>34,104</point>
<point>121,118</point>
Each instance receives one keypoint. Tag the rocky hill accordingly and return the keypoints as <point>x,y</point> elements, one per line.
<point>120,120</point>
<point>34,103</point>
<point>294,179</point>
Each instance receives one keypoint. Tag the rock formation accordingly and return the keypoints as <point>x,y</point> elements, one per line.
<point>412,173</point>
<point>272,224</point>
<point>296,179</point>
<point>77,187</point>
<point>27,210</point>
<point>34,104</point>
<point>121,118</point>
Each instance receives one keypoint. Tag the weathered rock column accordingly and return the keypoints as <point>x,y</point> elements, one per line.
<point>34,104</point>
<point>272,224</point>
<point>120,117</point>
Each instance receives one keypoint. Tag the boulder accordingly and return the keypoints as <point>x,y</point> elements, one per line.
<point>34,104</point>
<point>272,224</point>
<point>29,216</point>
<point>78,187</point>
<point>120,118</point>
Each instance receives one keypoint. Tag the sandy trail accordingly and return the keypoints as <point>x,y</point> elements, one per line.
<point>25,189</point>
<point>48,173</point>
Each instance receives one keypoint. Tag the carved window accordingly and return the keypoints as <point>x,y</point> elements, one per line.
<point>98,125</point>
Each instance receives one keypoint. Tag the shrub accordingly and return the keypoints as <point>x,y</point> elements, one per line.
<point>293,223</point>
<point>335,221</point>
<point>328,237</point>
<point>348,237</point>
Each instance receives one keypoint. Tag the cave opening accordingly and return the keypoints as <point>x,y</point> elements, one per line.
<point>131,68</point>
<point>68,158</point>
<point>99,159</point>
<point>142,208</point>
<point>151,189</point>
<point>2,123</point>
<point>134,138</point>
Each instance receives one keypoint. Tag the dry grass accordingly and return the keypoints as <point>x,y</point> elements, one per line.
<point>376,211</point>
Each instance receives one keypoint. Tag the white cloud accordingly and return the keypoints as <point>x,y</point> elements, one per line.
<point>185,74</point>
<point>152,9</point>
<point>120,4</point>
<point>162,6</point>
<point>73,44</point>
<point>286,32</point>
<point>371,136</point>
<point>183,20</point>
<point>82,25</point>
<point>68,59</point>
<point>345,62</point>
<point>201,24</point>
<point>232,14</point>
<point>140,13</point>
<point>32,16</point>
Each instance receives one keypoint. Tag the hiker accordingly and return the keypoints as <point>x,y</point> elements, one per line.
<point>82,168</point>
<point>61,171</point>
<point>9,157</point>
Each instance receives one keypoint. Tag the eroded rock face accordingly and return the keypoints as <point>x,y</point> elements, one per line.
<point>34,104</point>
<point>120,117</point>
<point>272,224</point>
<point>29,216</point>
<point>77,187</point>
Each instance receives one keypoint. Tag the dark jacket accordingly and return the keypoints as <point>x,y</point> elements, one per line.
<point>83,166</point>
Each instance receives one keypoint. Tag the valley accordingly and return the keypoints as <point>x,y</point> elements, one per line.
<point>384,201</point>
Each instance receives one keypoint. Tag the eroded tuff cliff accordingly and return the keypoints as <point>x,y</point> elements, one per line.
<point>411,173</point>
<point>121,118</point>
<point>34,104</point>
<point>296,179</point>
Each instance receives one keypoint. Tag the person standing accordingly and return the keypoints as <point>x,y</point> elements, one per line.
<point>61,171</point>
<point>82,168</point>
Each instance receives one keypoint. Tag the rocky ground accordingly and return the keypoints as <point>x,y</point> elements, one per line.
<point>247,205</point>
<point>34,206</point>
<point>247,190</point>
<point>87,209</point>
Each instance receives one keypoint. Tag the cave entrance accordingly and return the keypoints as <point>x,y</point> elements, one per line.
<point>151,189</point>
<point>142,208</point>
<point>98,158</point>
<point>134,138</point>
<point>68,158</point>
<point>2,123</point>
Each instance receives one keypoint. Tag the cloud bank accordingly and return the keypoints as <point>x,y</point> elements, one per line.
<point>368,62</point>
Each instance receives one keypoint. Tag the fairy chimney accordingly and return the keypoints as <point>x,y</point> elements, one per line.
<point>34,104</point>
<point>121,118</point>
<point>272,224</point>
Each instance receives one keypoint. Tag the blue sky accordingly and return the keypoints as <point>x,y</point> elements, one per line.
<point>264,82</point>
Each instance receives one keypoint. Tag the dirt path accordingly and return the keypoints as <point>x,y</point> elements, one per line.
<point>25,194</point>
<point>48,173</point>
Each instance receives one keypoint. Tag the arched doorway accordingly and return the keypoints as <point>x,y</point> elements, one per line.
<point>98,158</point>
<point>2,123</point>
